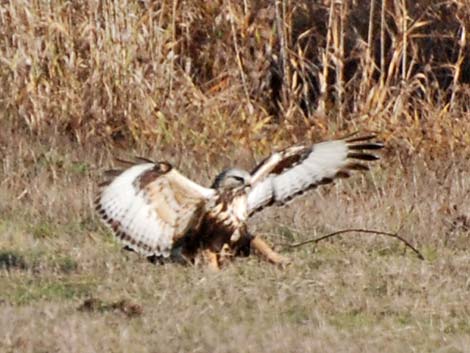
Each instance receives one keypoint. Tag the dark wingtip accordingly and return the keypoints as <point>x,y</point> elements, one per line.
<point>357,166</point>
<point>97,201</point>
<point>104,183</point>
<point>112,173</point>
<point>124,161</point>
<point>137,160</point>
<point>367,146</point>
<point>343,174</point>
<point>143,159</point>
<point>363,156</point>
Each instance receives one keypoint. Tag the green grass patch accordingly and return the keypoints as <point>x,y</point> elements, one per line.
<point>430,253</point>
<point>65,264</point>
<point>43,229</point>
<point>78,168</point>
<point>354,319</point>
<point>21,291</point>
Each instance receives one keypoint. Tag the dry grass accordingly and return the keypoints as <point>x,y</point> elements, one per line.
<point>67,286</point>
<point>206,84</point>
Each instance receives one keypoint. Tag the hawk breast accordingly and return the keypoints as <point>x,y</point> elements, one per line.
<point>226,216</point>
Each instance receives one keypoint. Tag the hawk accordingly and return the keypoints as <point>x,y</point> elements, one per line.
<point>159,213</point>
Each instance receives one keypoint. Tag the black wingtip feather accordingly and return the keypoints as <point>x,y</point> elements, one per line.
<point>104,183</point>
<point>367,146</point>
<point>343,174</point>
<point>144,159</point>
<point>112,173</point>
<point>137,160</point>
<point>124,161</point>
<point>325,181</point>
<point>363,156</point>
<point>97,200</point>
<point>357,166</point>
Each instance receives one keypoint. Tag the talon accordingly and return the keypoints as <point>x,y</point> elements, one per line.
<point>264,249</point>
<point>284,261</point>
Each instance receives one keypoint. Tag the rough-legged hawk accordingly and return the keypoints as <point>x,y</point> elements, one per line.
<point>157,212</point>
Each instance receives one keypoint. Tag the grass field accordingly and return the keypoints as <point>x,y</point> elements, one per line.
<point>209,84</point>
<point>68,287</point>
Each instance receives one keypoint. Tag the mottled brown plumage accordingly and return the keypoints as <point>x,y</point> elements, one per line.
<point>157,212</point>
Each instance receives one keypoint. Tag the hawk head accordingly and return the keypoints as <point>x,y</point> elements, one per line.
<point>232,178</point>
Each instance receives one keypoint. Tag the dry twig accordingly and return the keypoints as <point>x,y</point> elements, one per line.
<point>367,231</point>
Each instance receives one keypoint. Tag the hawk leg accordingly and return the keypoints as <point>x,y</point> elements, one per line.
<point>209,257</point>
<point>265,250</point>
<point>226,254</point>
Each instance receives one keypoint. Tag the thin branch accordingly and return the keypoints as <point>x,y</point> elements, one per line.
<point>367,231</point>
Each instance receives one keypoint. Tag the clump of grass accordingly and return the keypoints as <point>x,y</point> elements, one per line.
<point>64,264</point>
<point>43,229</point>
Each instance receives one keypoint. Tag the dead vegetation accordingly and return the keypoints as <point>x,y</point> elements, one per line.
<point>67,286</point>
<point>210,83</point>
<point>215,76</point>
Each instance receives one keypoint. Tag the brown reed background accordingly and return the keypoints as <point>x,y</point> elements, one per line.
<point>212,76</point>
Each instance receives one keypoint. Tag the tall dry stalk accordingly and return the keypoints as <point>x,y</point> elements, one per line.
<point>281,26</point>
<point>325,62</point>
<point>457,67</point>
<point>404,28</point>
<point>340,57</point>
<point>239,61</point>
<point>367,63</point>
<point>382,42</point>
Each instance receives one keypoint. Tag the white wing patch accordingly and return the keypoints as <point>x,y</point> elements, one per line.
<point>326,159</point>
<point>149,216</point>
<point>324,162</point>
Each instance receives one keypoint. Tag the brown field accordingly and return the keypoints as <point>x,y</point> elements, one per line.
<point>67,286</point>
<point>207,84</point>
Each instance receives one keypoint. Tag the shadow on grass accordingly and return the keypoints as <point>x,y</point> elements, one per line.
<point>10,260</point>
<point>124,306</point>
<point>36,261</point>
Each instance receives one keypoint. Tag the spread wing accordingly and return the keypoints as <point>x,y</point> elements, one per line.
<point>291,172</point>
<point>151,206</point>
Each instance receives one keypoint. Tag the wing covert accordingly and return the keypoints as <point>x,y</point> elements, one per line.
<point>150,206</point>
